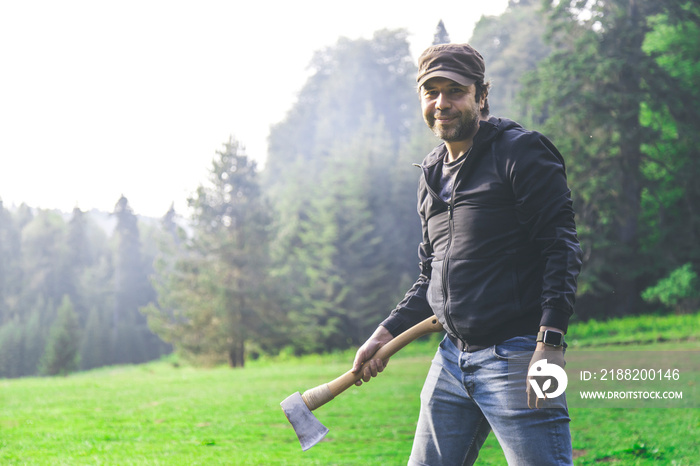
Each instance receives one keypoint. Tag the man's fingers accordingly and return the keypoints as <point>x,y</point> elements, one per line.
<point>533,401</point>
<point>531,397</point>
<point>364,366</point>
<point>359,360</point>
<point>365,352</point>
<point>371,369</point>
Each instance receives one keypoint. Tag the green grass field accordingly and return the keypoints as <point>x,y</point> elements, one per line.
<point>160,414</point>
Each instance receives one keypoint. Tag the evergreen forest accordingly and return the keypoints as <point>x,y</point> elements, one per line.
<point>310,252</point>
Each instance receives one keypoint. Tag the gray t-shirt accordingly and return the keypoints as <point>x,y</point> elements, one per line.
<point>448,177</point>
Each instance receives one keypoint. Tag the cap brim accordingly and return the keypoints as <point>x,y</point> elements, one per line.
<point>456,77</point>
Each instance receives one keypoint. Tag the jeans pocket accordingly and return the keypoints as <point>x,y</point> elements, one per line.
<point>515,348</point>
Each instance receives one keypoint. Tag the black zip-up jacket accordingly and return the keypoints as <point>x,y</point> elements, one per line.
<point>501,258</point>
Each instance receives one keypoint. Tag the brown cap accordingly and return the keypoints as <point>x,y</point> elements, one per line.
<point>458,62</point>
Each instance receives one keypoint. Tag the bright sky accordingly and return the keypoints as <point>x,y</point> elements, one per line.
<point>103,98</point>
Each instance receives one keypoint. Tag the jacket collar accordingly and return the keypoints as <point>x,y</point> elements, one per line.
<point>488,131</point>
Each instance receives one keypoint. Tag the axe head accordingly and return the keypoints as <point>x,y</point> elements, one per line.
<point>309,429</point>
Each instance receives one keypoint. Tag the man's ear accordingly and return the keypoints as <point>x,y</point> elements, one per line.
<point>482,102</point>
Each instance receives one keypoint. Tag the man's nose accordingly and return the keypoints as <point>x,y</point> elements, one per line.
<point>442,102</point>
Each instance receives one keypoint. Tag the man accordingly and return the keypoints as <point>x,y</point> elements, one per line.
<point>499,263</point>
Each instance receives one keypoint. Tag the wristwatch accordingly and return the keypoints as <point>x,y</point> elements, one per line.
<point>551,338</point>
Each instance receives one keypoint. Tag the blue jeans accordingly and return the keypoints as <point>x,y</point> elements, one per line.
<point>466,395</point>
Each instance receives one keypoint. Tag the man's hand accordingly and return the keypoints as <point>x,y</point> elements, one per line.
<point>379,338</point>
<point>553,355</point>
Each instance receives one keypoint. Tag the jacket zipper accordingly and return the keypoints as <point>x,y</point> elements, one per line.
<point>445,284</point>
<point>450,234</point>
<point>450,217</point>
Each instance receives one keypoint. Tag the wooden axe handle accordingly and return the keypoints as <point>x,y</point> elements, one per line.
<point>316,397</point>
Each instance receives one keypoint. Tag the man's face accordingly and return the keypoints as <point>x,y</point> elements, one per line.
<point>450,109</point>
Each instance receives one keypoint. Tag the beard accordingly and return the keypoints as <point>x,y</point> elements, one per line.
<point>463,128</point>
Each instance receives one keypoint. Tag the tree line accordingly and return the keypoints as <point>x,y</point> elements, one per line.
<point>311,252</point>
<point>70,293</point>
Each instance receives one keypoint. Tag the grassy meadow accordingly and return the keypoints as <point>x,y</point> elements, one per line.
<point>163,413</point>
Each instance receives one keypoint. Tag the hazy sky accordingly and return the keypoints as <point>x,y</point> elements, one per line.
<point>104,98</point>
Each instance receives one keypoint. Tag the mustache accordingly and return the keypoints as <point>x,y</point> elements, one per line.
<point>446,115</point>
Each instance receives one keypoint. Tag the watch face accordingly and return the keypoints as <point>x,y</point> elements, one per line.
<point>553,338</point>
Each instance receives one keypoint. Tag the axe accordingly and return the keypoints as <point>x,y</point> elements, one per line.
<point>298,407</point>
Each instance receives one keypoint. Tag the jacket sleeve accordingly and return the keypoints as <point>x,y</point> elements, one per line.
<point>414,307</point>
<point>544,208</point>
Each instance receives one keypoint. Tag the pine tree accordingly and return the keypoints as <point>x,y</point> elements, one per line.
<point>131,339</point>
<point>441,36</point>
<point>44,258</point>
<point>97,290</point>
<point>10,270</point>
<point>11,349</point>
<point>95,346</point>
<point>61,353</point>
<point>79,258</point>
<point>213,299</point>
<point>35,333</point>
